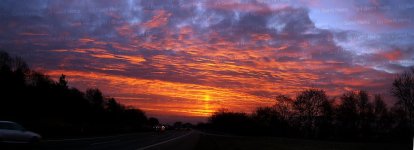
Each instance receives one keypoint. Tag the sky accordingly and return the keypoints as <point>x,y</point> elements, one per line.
<point>185,59</point>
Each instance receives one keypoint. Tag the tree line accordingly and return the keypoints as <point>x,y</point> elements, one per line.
<point>52,108</point>
<point>355,115</point>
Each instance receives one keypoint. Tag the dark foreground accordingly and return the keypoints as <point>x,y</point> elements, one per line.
<point>189,140</point>
<point>222,142</point>
<point>135,141</point>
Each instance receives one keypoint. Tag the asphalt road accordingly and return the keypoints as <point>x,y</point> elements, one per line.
<point>171,140</point>
<point>197,140</point>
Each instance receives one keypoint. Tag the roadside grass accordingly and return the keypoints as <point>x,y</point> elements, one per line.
<point>212,142</point>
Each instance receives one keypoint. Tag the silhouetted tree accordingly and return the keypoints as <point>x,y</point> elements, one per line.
<point>309,106</point>
<point>63,82</point>
<point>382,119</point>
<point>365,114</point>
<point>153,121</point>
<point>113,106</point>
<point>178,125</point>
<point>95,97</point>
<point>401,127</point>
<point>347,114</point>
<point>313,115</point>
<point>239,123</point>
<point>284,106</point>
<point>403,89</point>
<point>5,61</point>
<point>39,80</point>
<point>51,108</point>
<point>265,118</point>
<point>324,123</point>
<point>188,125</point>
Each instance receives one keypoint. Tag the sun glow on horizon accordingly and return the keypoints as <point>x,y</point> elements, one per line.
<point>207,98</point>
<point>150,95</point>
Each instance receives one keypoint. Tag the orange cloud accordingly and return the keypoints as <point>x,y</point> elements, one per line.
<point>159,19</point>
<point>261,37</point>
<point>173,64</point>
<point>192,96</point>
<point>392,55</point>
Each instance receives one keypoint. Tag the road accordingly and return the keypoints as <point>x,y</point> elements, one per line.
<point>171,140</point>
<point>197,140</point>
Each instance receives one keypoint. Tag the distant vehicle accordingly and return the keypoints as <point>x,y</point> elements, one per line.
<point>159,128</point>
<point>11,132</point>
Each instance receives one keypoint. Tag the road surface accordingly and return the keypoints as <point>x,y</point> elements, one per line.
<point>197,140</point>
<point>171,140</point>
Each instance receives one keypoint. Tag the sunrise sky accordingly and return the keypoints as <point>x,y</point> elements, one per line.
<point>184,59</point>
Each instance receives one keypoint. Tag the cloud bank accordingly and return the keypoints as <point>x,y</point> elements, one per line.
<point>191,57</point>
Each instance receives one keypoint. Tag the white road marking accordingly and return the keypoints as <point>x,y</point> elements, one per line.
<point>163,142</point>
<point>91,138</point>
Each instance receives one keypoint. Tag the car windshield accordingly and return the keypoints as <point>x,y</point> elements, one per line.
<point>10,126</point>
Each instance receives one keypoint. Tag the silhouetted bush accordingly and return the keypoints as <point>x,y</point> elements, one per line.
<point>231,122</point>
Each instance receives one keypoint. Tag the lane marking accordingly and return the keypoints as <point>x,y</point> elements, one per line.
<point>92,138</point>
<point>163,142</point>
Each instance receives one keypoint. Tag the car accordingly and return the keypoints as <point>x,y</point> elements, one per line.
<point>11,132</point>
<point>159,128</point>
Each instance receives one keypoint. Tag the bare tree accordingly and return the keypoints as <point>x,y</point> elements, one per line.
<point>19,65</point>
<point>5,60</point>
<point>347,114</point>
<point>381,115</point>
<point>309,106</point>
<point>284,106</point>
<point>365,114</point>
<point>403,89</point>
